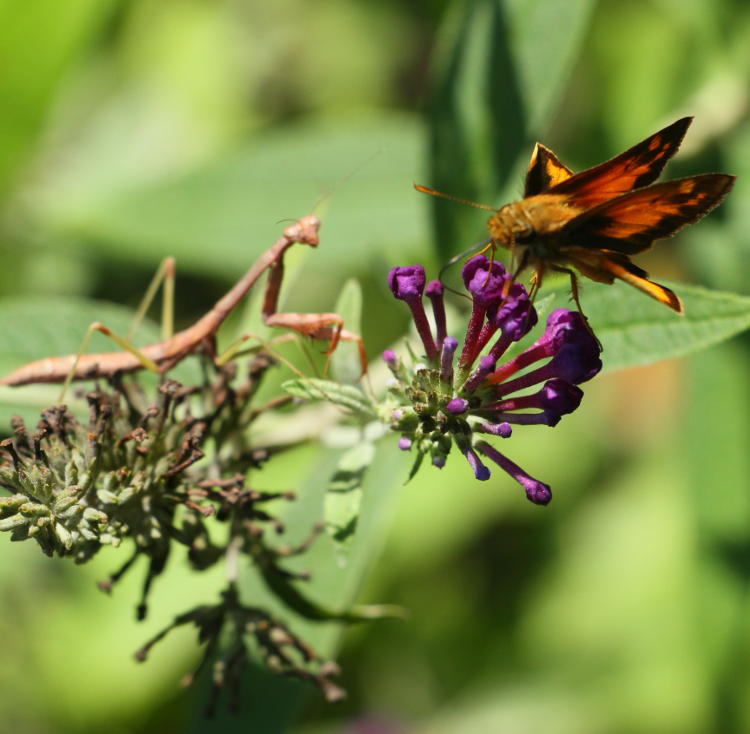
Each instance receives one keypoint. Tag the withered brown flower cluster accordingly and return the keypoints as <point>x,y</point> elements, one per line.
<point>131,472</point>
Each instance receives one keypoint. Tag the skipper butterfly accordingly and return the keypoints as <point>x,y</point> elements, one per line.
<point>596,219</point>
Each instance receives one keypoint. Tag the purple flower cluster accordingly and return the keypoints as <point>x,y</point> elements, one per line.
<point>445,401</point>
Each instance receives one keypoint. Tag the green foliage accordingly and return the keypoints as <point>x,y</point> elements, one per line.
<point>136,130</point>
<point>496,87</point>
<point>39,45</point>
<point>347,396</point>
<point>234,204</point>
<point>635,331</point>
<point>345,363</point>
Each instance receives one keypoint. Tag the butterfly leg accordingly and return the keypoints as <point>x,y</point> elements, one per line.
<point>535,283</point>
<point>517,269</point>
<point>574,289</point>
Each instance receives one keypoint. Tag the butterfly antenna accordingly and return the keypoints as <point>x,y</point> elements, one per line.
<point>479,247</point>
<point>433,192</point>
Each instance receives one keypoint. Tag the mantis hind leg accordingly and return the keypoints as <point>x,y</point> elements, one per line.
<point>164,276</point>
<point>149,364</point>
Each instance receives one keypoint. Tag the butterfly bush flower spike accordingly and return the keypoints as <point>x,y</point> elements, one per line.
<point>444,400</point>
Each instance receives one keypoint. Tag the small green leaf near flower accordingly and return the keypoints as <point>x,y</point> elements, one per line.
<point>345,396</point>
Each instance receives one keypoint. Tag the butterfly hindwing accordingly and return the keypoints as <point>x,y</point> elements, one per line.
<point>605,267</point>
<point>622,268</point>
<point>631,222</point>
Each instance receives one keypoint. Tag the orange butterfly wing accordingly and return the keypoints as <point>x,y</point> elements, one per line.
<point>602,237</point>
<point>604,267</point>
<point>638,166</point>
<point>545,171</point>
<point>629,223</point>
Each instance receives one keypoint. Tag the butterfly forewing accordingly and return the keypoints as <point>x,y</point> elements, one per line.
<point>638,166</point>
<point>545,171</point>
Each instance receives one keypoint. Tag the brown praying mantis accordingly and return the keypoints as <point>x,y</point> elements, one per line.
<point>164,355</point>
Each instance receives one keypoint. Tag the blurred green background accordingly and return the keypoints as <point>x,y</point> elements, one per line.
<point>135,130</point>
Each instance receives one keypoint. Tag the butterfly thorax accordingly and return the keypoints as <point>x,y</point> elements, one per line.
<point>534,222</point>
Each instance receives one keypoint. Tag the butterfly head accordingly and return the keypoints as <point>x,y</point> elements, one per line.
<point>510,225</point>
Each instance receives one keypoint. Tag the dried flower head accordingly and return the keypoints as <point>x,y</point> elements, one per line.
<point>155,475</point>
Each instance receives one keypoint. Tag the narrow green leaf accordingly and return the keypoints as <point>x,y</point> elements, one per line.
<point>347,396</point>
<point>635,330</point>
<point>345,362</point>
<point>345,492</point>
<point>499,76</point>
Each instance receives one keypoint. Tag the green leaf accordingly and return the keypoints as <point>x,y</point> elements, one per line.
<point>345,362</point>
<point>635,330</point>
<point>347,396</point>
<point>34,328</point>
<point>337,570</point>
<point>220,217</point>
<point>345,492</point>
<point>40,42</point>
<point>499,77</point>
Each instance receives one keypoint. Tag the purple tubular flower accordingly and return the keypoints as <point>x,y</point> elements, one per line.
<point>555,399</point>
<point>578,359</point>
<point>407,284</point>
<point>568,340</point>
<point>485,281</point>
<point>481,472</point>
<point>457,406</point>
<point>559,323</point>
<point>515,316</point>
<point>434,292</point>
<point>542,418</point>
<point>404,443</point>
<point>503,429</point>
<point>484,368</point>
<point>563,326</point>
<point>446,359</point>
<point>389,357</point>
<point>536,491</point>
<point>556,395</point>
